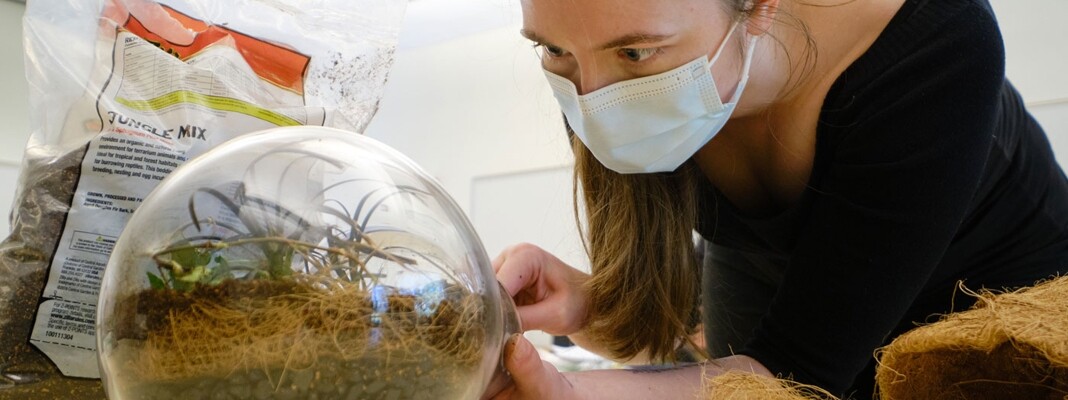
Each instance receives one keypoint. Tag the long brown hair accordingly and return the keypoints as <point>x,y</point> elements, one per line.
<point>644,285</point>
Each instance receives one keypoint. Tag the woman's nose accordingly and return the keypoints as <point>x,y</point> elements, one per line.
<point>588,78</point>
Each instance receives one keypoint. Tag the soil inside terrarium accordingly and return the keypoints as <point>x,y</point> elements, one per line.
<point>292,338</point>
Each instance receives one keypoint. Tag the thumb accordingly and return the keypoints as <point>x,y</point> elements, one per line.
<point>525,365</point>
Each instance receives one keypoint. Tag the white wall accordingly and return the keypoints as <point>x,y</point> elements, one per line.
<point>470,107</point>
<point>14,105</point>
<point>1036,47</point>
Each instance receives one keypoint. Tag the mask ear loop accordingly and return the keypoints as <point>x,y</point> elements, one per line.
<point>745,68</point>
<point>723,44</point>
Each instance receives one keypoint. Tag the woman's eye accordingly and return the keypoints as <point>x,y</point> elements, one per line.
<point>637,55</point>
<point>550,50</point>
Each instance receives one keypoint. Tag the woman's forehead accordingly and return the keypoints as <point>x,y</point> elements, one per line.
<point>595,21</point>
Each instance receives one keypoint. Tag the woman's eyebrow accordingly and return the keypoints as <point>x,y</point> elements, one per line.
<point>530,35</point>
<point>629,39</point>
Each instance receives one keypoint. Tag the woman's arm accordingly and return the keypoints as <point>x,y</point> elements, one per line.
<point>537,379</point>
<point>678,382</point>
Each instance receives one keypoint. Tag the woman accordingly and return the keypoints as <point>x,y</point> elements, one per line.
<point>846,164</point>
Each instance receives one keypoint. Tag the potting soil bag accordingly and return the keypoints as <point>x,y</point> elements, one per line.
<point>122,92</point>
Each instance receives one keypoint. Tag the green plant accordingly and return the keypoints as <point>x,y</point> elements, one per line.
<point>208,260</point>
<point>269,238</point>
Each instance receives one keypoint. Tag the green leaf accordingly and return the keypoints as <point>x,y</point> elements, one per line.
<point>192,276</point>
<point>183,286</point>
<point>220,272</point>
<point>155,281</point>
<point>191,257</point>
<point>279,261</point>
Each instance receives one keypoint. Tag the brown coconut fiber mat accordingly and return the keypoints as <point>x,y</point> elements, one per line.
<point>1008,346</point>
<point>737,385</point>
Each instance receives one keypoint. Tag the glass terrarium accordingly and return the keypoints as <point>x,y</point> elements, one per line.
<point>299,263</point>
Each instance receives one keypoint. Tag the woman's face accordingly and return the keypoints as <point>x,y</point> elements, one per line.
<point>595,43</point>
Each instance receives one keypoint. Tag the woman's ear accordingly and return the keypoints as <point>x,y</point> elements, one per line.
<point>761,16</point>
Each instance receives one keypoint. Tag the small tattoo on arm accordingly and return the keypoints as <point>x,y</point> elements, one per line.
<point>655,369</point>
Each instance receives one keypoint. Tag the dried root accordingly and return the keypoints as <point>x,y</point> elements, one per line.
<point>738,385</point>
<point>289,325</point>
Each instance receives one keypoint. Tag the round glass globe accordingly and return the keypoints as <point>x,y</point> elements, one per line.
<point>300,262</point>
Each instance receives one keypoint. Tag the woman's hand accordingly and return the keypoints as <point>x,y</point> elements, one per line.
<point>532,378</point>
<point>548,293</point>
<point>549,297</point>
<point>536,379</point>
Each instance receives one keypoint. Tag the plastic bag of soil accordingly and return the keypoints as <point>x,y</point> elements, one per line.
<point>121,93</point>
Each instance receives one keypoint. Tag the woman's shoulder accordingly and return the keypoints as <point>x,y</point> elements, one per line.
<point>925,40</point>
<point>936,24</point>
<point>931,49</point>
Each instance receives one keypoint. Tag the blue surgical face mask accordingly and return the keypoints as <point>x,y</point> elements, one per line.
<point>653,123</point>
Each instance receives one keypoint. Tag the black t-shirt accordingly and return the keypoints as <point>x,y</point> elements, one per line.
<point>928,170</point>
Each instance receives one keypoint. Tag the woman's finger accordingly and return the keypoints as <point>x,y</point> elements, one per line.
<point>516,279</point>
<point>548,316</point>
<point>519,267</point>
<point>527,369</point>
